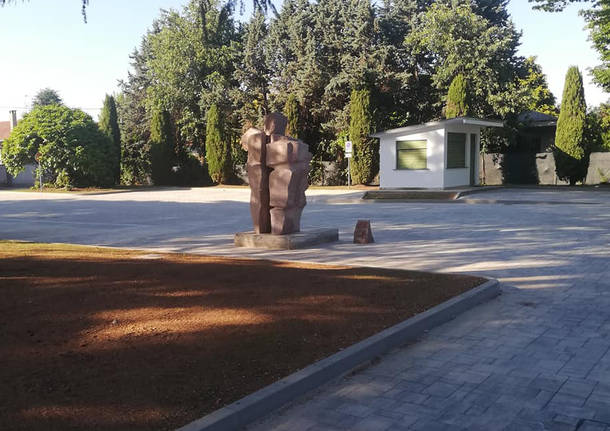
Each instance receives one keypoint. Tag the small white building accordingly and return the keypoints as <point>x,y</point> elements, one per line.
<point>435,155</point>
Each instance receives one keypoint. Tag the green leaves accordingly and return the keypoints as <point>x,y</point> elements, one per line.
<point>73,151</point>
<point>457,98</point>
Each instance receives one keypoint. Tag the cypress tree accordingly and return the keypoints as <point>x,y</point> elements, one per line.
<point>162,148</point>
<point>457,98</point>
<point>570,154</point>
<point>291,111</point>
<point>365,160</point>
<point>109,124</point>
<point>217,150</point>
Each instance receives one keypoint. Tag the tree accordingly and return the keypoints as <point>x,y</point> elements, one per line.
<point>45,97</point>
<point>534,91</point>
<point>455,39</point>
<point>457,98</point>
<point>291,110</point>
<point>218,152</point>
<point>364,163</point>
<point>162,148</point>
<point>109,124</point>
<point>570,154</point>
<point>72,151</point>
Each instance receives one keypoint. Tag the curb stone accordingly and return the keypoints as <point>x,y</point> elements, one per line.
<point>264,401</point>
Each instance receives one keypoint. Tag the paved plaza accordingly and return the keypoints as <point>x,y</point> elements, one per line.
<point>537,357</point>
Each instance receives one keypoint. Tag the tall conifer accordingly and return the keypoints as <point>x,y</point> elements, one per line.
<point>457,98</point>
<point>162,148</point>
<point>570,154</point>
<point>217,150</point>
<point>291,110</point>
<point>109,124</point>
<point>365,161</point>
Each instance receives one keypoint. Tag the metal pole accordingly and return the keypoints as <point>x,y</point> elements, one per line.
<point>349,172</point>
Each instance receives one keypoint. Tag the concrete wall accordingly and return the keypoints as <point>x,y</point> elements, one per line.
<point>430,178</point>
<point>25,178</point>
<point>3,176</point>
<point>599,168</point>
<point>495,165</point>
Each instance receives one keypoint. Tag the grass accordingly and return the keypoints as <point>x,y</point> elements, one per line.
<point>109,339</point>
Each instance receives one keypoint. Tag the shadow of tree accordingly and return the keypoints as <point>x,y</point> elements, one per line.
<point>107,340</point>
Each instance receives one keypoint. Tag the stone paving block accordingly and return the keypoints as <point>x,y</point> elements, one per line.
<point>373,423</point>
<point>441,389</point>
<point>355,409</point>
<point>578,387</point>
<point>592,426</point>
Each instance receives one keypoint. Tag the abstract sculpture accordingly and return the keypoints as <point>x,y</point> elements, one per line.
<point>277,167</point>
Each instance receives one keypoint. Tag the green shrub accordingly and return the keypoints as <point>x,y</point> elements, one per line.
<point>570,154</point>
<point>72,149</point>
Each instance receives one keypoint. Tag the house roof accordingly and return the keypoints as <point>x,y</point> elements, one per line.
<point>536,119</point>
<point>5,130</point>
<point>439,125</point>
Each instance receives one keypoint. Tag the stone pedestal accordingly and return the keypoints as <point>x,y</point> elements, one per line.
<point>291,241</point>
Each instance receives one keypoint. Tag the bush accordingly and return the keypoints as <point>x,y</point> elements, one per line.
<point>570,154</point>
<point>72,149</point>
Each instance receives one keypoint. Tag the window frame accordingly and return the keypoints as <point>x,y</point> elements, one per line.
<point>398,150</point>
<point>464,143</point>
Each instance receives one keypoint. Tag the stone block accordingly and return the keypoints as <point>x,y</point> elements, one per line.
<point>286,242</point>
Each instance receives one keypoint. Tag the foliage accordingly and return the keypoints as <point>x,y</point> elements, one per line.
<point>455,39</point>
<point>570,154</point>
<point>72,150</point>
<point>45,97</point>
<point>365,162</point>
<point>457,98</point>
<point>218,152</point>
<point>162,149</point>
<point>597,134</point>
<point>534,91</point>
<point>307,58</point>
<point>109,124</point>
<point>291,110</point>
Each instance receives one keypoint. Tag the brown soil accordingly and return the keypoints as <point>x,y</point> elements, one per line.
<point>106,339</point>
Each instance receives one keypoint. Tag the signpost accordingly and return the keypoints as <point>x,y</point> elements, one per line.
<point>348,154</point>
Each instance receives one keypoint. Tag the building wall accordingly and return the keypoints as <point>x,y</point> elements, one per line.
<point>25,178</point>
<point>599,169</point>
<point>461,177</point>
<point>432,177</point>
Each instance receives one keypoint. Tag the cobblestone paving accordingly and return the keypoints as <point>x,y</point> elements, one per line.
<point>536,358</point>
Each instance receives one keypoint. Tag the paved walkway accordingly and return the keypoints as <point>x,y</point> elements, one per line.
<point>538,357</point>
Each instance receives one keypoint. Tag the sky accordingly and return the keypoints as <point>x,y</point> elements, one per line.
<point>46,44</point>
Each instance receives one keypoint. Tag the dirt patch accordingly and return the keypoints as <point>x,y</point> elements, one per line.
<point>105,339</point>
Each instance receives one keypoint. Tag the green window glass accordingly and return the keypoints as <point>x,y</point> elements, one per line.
<point>456,150</point>
<point>411,154</point>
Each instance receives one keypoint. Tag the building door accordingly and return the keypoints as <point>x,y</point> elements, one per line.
<point>473,158</point>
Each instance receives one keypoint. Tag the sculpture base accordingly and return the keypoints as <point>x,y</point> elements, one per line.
<point>290,241</point>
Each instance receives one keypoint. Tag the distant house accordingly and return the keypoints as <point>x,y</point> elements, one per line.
<point>436,155</point>
<point>25,178</point>
<point>536,132</point>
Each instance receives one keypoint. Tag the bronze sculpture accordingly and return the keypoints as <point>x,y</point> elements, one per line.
<point>278,167</point>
